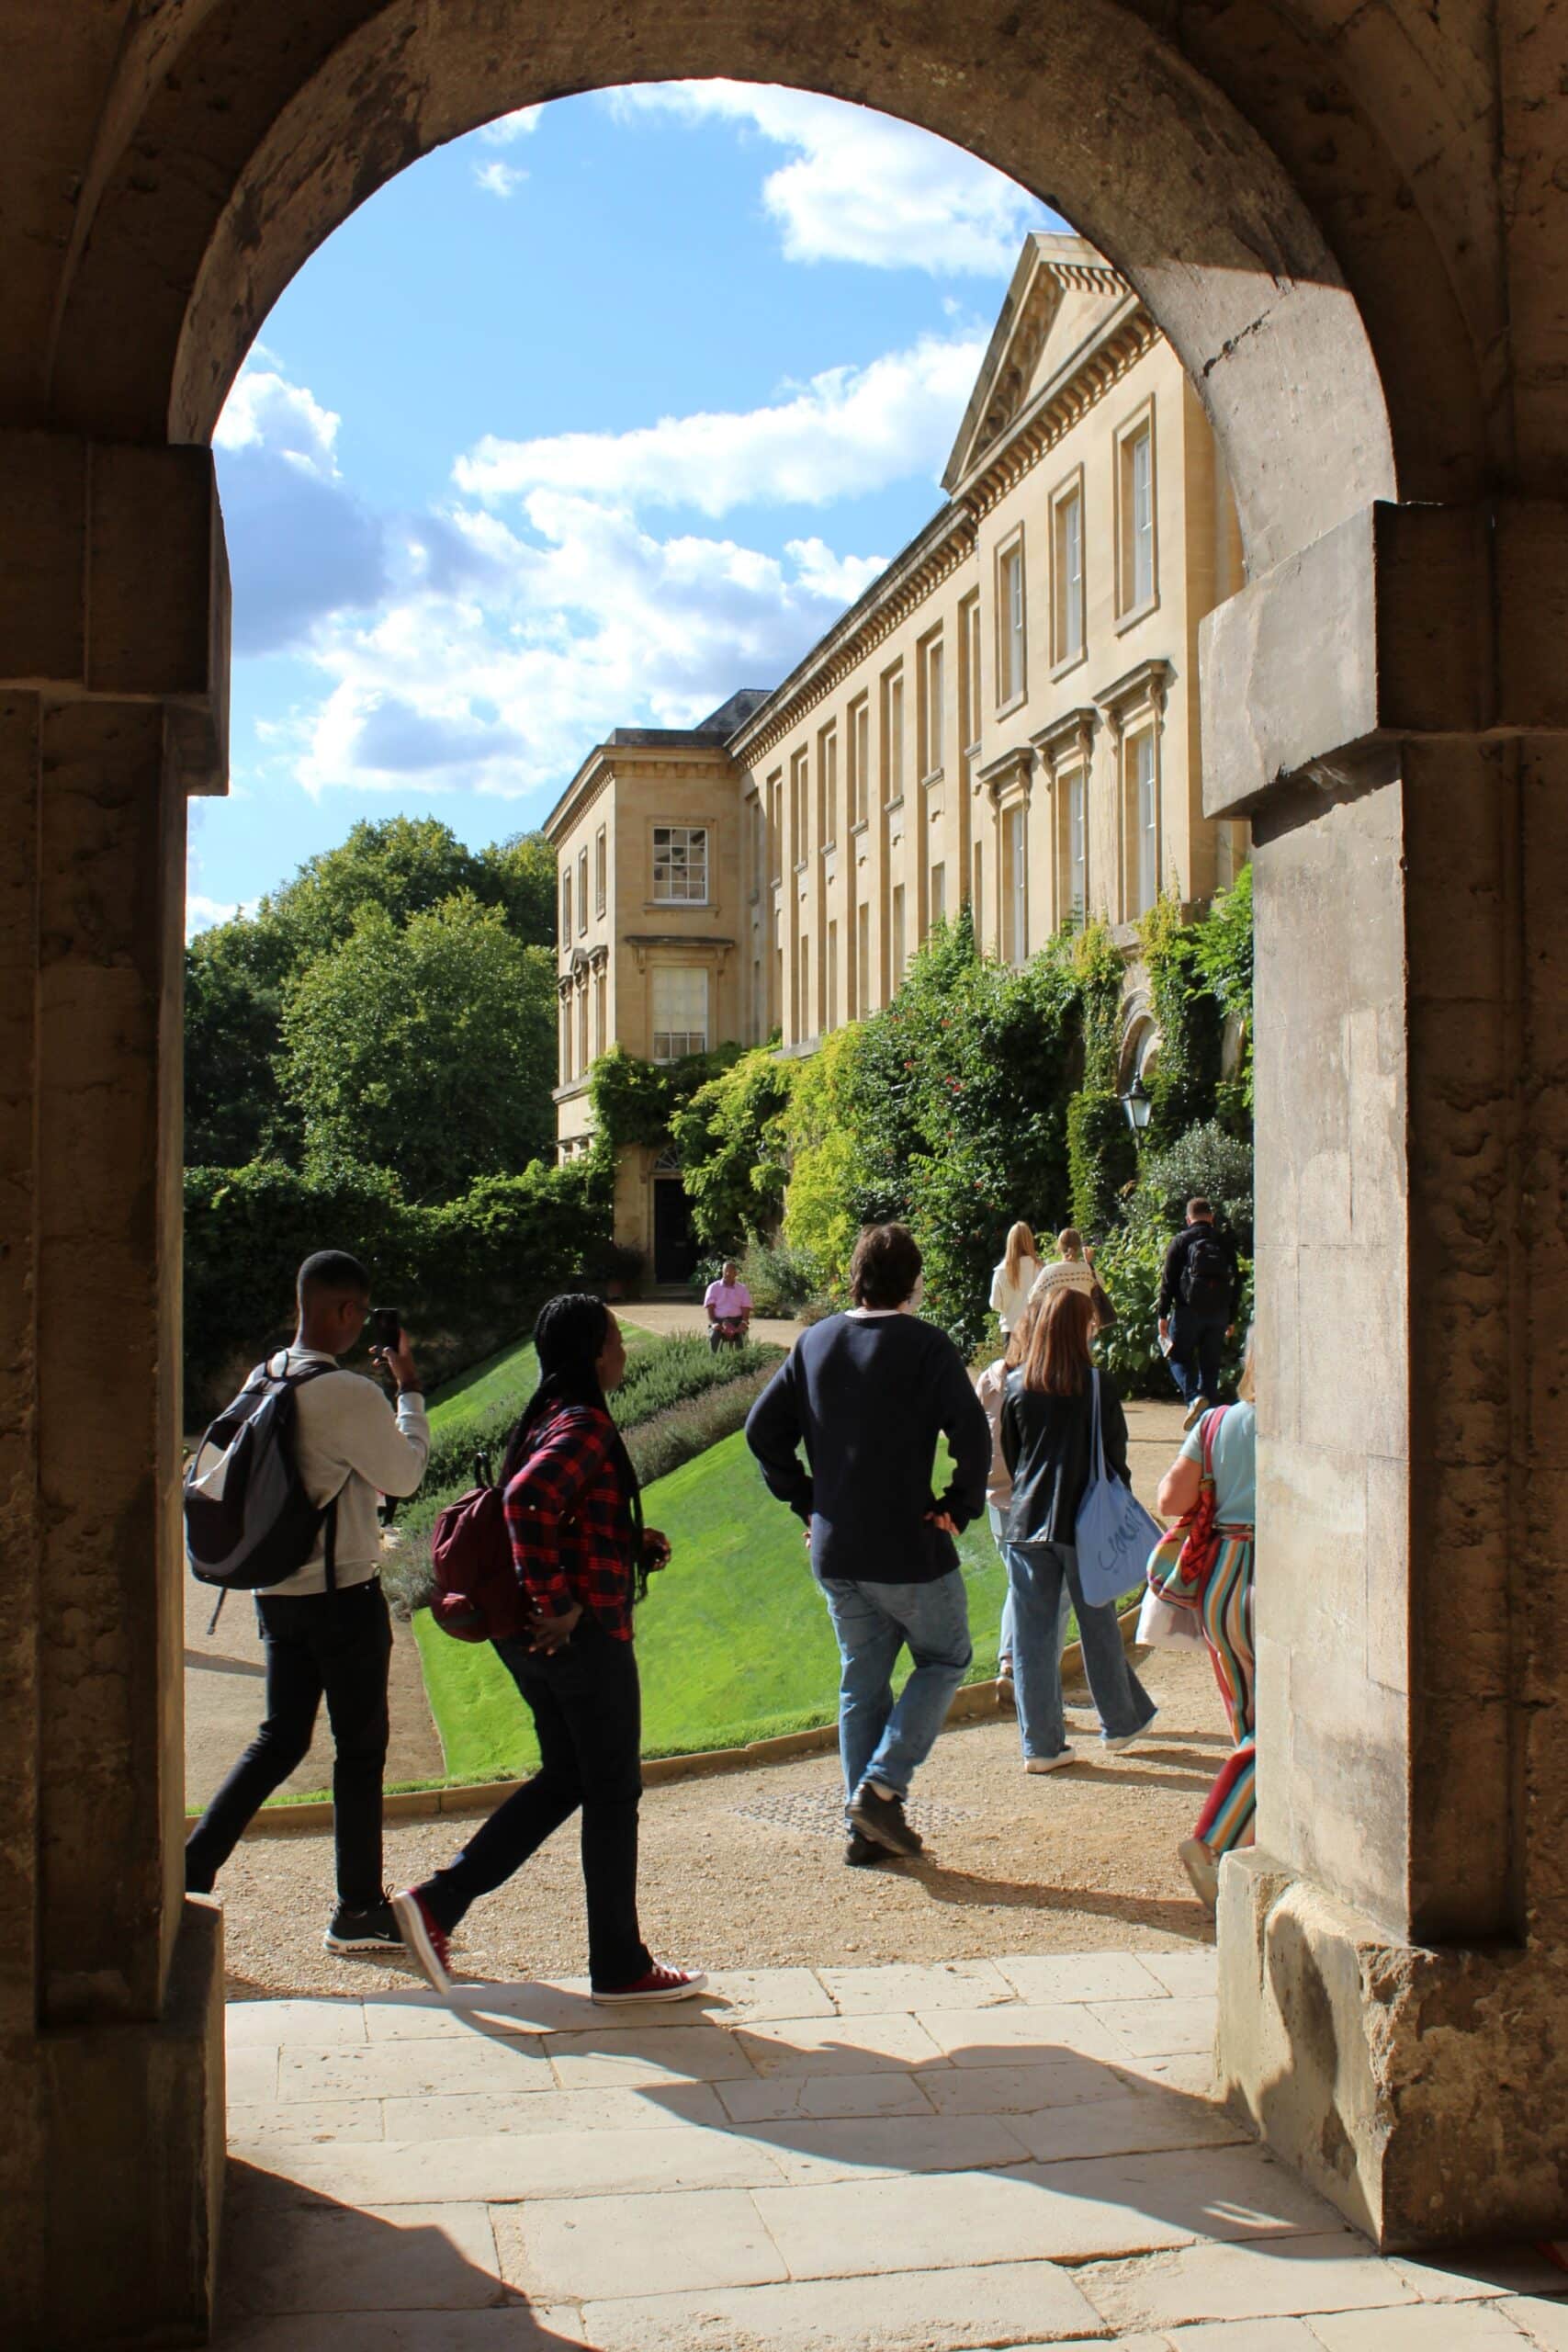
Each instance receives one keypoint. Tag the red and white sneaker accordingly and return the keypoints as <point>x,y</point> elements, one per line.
<point>417,1927</point>
<point>659,1984</point>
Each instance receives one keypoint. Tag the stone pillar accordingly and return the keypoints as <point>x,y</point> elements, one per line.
<point>111,658</point>
<point>1395,1951</point>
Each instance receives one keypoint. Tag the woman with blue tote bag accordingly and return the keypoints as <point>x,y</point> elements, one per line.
<point>1065,1439</point>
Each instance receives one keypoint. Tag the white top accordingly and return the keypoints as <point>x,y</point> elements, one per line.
<point>1066,1273</point>
<point>991,1388</point>
<point>348,1443</point>
<point>1010,1299</point>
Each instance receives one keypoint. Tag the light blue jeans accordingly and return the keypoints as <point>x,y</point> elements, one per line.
<point>1005,1634</point>
<point>1040,1577</point>
<point>879,1740</point>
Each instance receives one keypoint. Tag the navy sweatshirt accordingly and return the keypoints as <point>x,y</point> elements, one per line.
<point>868,1398</point>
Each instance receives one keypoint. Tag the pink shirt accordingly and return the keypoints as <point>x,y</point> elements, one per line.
<point>727,1299</point>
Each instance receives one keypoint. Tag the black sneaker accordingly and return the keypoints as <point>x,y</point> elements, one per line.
<point>860,1851</point>
<point>881,1818</point>
<point>372,1930</point>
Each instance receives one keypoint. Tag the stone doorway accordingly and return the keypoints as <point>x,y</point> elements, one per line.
<point>1319,216</point>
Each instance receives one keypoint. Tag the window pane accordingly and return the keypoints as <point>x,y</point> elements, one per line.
<point>680,862</point>
<point>680,1000</point>
<point>1147,816</point>
<point>1142,518</point>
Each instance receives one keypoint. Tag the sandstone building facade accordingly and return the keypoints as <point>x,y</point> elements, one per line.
<point>1008,716</point>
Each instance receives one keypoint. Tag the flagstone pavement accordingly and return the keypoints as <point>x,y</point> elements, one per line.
<point>893,2159</point>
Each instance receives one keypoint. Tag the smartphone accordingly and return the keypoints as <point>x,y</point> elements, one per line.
<point>384,1328</point>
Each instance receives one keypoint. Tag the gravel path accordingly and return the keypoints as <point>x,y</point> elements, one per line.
<point>744,1871</point>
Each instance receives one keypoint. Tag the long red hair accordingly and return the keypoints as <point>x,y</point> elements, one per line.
<point>1056,1357</point>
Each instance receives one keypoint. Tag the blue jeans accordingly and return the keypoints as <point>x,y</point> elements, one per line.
<point>877,1740</point>
<point>1197,1343</point>
<point>1005,1635</point>
<point>1040,1576</point>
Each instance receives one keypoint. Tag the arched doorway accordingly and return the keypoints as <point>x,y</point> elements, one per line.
<point>1341,301</point>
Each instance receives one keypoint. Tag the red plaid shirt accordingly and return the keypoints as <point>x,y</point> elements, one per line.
<point>570,1520</point>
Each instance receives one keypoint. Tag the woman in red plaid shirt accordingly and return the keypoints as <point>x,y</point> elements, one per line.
<point>582,1554</point>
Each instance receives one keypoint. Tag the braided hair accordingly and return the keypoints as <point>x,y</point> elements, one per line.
<point>569,1339</point>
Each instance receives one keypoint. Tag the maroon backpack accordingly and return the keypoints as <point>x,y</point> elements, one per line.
<point>477,1597</point>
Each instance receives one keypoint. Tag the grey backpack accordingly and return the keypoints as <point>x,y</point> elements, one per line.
<point>249,1522</point>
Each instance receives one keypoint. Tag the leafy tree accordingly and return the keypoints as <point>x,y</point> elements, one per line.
<point>235,1112</point>
<point>519,876</point>
<point>731,1141</point>
<point>428,1048</point>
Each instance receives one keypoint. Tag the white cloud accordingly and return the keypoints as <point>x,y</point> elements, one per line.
<point>508,128</point>
<point>499,179</point>
<point>537,639</point>
<point>861,186</point>
<point>202,913</point>
<point>264,411</point>
<point>847,431</point>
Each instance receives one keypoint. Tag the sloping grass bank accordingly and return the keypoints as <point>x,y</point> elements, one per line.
<point>734,1641</point>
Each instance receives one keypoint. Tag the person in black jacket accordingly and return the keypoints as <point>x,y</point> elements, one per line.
<point>868,1393</point>
<point>1047,1434</point>
<point>1199,1292</point>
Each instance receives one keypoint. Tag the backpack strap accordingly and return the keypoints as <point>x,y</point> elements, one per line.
<point>1211,1420</point>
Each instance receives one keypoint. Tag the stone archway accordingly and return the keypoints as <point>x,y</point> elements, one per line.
<point>1318,213</point>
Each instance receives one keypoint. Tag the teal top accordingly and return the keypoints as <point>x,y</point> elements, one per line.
<point>1235,1462</point>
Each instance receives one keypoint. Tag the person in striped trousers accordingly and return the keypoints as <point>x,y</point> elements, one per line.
<point>1229,1811</point>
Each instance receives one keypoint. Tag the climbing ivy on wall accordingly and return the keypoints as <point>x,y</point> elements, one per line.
<point>1186,1072</point>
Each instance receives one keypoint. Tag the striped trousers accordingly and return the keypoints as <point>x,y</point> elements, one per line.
<point>1229,1813</point>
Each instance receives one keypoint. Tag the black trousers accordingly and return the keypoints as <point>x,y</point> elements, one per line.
<point>335,1646</point>
<point>1197,1343</point>
<point>587,1708</point>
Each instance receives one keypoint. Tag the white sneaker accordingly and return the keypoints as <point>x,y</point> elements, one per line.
<point>1128,1738</point>
<point>1050,1763</point>
<point>1195,1412</point>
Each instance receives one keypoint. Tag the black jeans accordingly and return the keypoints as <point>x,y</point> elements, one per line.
<point>1197,1343</point>
<point>587,1708</point>
<point>331,1645</point>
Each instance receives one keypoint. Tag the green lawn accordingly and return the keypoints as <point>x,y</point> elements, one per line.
<point>733,1640</point>
<point>514,1371</point>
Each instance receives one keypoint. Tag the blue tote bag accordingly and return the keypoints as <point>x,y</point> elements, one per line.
<point>1114,1533</point>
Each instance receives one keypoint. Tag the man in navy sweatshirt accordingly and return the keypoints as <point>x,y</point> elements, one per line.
<point>867,1394</point>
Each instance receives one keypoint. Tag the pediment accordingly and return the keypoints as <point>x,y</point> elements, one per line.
<point>1058,280</point>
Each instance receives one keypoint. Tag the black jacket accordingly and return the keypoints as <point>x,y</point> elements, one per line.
<point>868,1399</point>
<point>1176,1259</point>
<point>1047,1443</point>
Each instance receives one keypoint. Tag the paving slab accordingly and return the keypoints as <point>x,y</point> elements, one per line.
<point>297,2121</point>
<point>956,2310</point>
<point>1242,2336</point>
<point>1021,2090</point>
<point>1185,1974</point>
<point>478,2115</point>
<point>275,2023</point>
<point>1082,1976</point>
<point>251,2073</point>
<point>1276,2279</point>
<point>422,2257</point>
<point>666,2244</point>
<point>782,2096</point>
<point>1430,2327</point>
<point>508,2329</point>
<point>863,2045</point>
<point>1162,2029</point>
<point>1139,2123</point>
<point>1541,2322</point>
<point>1480,2272</point>
<point>612,2059</point>
<point>814,2150</point>
<point>413,2069</point>
<point>1026,2032</point>
<point>951,1985</point>
<point>505,2166</point>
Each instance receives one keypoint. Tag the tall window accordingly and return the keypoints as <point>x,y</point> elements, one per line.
<point>893,734</point>
<point>969,673</point>
<point>977,894</point>
<point>582,888</point>
<point>862,960</point>
<point>1142,820</point>
<point>799,816</point>
<point>600,993</point>
<point>937,900</point>
<point>1135,506</point>
<point>803,988</point>
<point>1009,623</point>
<point>1015,882</point>
<point>583,1031</point>
<point>601,872</point>
<point>566,1040</point>
<point>1077,846</point>
<point>898,944</point>
<point>566,906</point>
<point>680,864</point>
<point>860,759</point>
<point>776,827</point>
<point>830,990</point>
<point>930,713</point>
<point>827,786</point>
<point>679,1010</point>
<point>1067,619</point>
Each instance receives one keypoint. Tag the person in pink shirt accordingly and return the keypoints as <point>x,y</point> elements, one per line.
<point>728,1305</point>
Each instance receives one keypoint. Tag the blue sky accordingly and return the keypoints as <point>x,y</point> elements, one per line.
<point>585,421</point>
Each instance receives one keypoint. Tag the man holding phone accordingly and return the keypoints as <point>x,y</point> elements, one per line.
<point>325,1629</point>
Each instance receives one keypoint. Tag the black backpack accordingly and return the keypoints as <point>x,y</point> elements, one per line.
<point>249,1522</point>
<point>1207,1273</point>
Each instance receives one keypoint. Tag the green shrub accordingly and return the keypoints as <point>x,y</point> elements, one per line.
<point>686,1430</point>
<point>733,1158</point>
<point>1206,1163</point>
<point>1129,1265</point>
